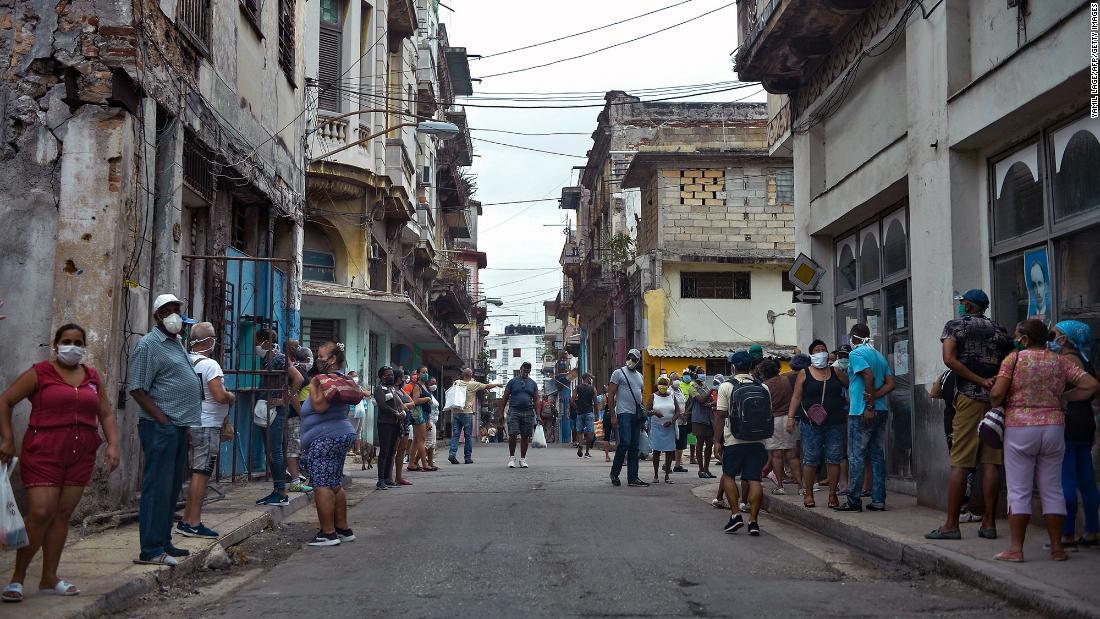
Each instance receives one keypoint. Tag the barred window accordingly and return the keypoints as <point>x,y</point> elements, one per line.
<point>715,285</point>
<point>194,20</point>
<point>286,37</point>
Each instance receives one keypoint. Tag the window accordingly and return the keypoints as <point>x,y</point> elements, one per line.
<point>239,232</point>
<point>194,21</point>
<point>329,54</point>
<point>784,186</point>
<point>515,373</point>
<point>318,266</point>
<point>286,37</point>
<point>251,10</point>
<point>715,285</point>
<point>517,352</point>
<point>492,353</point>
<point>316,331</point>
<point>1045,263</point>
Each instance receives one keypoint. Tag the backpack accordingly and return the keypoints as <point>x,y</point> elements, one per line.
<point>750,412</point>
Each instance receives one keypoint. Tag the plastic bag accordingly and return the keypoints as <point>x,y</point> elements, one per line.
<point>456,398</point>
<point>643,444</point>
<point>13,533</point>
<point>539,439</point>
<point>262,414</point>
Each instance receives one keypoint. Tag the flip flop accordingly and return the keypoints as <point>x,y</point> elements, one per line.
<point>1010,556</point>
<point>1058,555</point>
<point>12,593</point>
<point>63,587</point>
<point>809,505</point>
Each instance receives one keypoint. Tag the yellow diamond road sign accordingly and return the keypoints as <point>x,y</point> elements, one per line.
<point>805,273</point>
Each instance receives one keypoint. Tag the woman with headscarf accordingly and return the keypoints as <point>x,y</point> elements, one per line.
<point>1073,339</point>
<point>664,411</point>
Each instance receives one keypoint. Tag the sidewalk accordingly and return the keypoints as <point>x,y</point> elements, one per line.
<point>1067,589</point>
<point>102,566</point>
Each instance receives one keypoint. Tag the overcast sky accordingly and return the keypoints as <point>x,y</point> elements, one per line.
<point>530,236</point>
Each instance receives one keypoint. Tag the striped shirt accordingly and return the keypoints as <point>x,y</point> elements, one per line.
<point>159,366</point>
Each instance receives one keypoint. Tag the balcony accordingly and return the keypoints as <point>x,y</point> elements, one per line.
<point>570,198</point>
<point>459,222</point>
<point>784,41</point>
<point>334,133</point>
<point>401,17</point>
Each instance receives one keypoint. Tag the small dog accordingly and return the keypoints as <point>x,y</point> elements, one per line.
<point>367,453</point>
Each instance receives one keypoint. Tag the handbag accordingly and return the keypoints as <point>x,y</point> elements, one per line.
<point>227,431</point>
<point>991,429</point>
<point>339,389</point>
<point>817,413</point>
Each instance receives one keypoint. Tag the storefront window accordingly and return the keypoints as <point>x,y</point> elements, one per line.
<point>847,315</point>
<point>869,256</point>
<point>846,265</point>
<point>895,245</point>
<point>1076,178</point>
<point>1079,280</point>
<point>1018,202</point>
<point>1010,290</point>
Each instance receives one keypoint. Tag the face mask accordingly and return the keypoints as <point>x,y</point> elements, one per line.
<point>261,351</point>
<point>819,359</point>
<point>630,364</point>
<point>424,378</point>
<point>842,364</point>
<point>172,323</point>
<point>70,355</point>
<point>863,342</point>
<point>1019,345</point>
<point>434,387</point>
<point>387,381</point>
<point>304,367</point>
<point>960,310</point>
<point>323,365</point>
<point>662,389</point>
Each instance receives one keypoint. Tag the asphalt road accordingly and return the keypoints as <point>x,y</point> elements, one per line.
<point>558,540</point>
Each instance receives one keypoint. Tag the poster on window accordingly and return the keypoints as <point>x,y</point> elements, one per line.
<point>1038,284</point>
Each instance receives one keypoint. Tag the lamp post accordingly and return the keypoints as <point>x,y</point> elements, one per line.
<point>772,315</point>
<point>439,129</point>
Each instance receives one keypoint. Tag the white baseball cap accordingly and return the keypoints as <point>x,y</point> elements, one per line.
<point>165,299</point>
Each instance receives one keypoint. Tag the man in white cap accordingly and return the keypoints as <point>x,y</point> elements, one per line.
<point>625,399</point>
<point>169,392</point>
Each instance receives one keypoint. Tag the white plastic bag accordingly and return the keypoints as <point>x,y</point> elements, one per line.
<point>643,444</point>
<point>13,533</point>
<point>539,439</point>
<point>262,414</point>
<point>456,398</point>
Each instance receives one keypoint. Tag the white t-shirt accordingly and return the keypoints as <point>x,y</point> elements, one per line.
<point>725,391</point>
<point>213,414</point>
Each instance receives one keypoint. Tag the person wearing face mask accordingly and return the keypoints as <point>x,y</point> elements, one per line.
<point>702,400</point>
<point>624,395</point>
<point>278,392</point>
<point>303,362</point>
<point>973,347</point>
<point>418,453</point>
<point>68,405</point>
<point>869,381</point>
<point>664,410</point>
<point>165,386</point>
<point>823,385</point>
<point>391,412</point>
<point>684,438</point>
<point>430,429</point>
<point>205,437</point>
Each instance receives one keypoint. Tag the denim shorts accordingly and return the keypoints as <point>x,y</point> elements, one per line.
<point>816,439</point>
<point>585,422</point>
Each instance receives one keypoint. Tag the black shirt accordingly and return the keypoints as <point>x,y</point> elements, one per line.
<point>585,398</point>
<point>1080,424</point>
<point>833,401</point>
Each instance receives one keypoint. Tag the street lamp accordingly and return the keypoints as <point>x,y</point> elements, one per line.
<point>772,315</point>
<point>491,301</point>
<point>435,128</point>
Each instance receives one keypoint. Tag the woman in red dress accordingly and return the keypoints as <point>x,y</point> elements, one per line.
<point>68,405</point>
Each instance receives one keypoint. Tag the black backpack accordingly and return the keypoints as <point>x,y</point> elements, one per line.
<point>750,412</point>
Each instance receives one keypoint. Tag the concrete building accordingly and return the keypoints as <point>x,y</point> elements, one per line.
<point>715,241</point>
<point>148,147</point>
<point>388,207</point>
<point>936,148</point>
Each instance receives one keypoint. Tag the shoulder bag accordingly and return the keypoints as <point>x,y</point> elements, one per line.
<point>991,429</point>
<point>816,413</point>
<point>638,410</point>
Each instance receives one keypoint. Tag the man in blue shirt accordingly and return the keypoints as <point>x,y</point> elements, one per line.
<point>869,380</point>
<point>519,399</point>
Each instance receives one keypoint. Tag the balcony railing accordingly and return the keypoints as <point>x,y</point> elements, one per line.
<point>333,130</point>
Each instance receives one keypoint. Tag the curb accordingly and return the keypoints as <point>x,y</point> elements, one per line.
<point>123,596</point>
<point>930,558</point>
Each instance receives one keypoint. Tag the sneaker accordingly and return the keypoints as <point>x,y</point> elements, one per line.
<point>345,535</point>
<point>299,487</point>
<point>679,469</point>
<point>743,507</point>
<point>589,456</point>
<point>325,540</point>
<point>965,515</point>
<point>615,481</point>
<point>274,499</point>
<point>199,530</point>
<point>172,551</point>
<point>452,460</point>
<point>162,559</point>
<point>637,482</point>
<point>523,463</point>
<point>511,462</point>
<point>468,462</point>
<point>875,507</point>
<point>754,529</point>
<point>817,487</point>
<point>392,484</point>
<point>381,485</point>
<point>580,453</point>
<point>735,523</point>
<point>849,507</point>
<point>719,504</point>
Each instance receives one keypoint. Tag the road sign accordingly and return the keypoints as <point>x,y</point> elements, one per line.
<point>805,273</point>
<point>813,297</point>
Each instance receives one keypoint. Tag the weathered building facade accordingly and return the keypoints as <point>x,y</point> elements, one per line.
<point>137,135</point>
<point>936,148</point>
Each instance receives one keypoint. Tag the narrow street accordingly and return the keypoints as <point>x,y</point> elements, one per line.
<point>558,540</point>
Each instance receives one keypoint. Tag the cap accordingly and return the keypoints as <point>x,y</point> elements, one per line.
<point>634,352</point>
<point>718,378</point>
<point>844,348</point>
<point>756,350</point>
<point>741,360</point>
<point>165,299</point>
<point>975,296</point>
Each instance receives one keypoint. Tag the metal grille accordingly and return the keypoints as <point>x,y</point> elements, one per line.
<point>286,36</point>
<point>317,331</point>
<point>194,18</point>
<point>198,172</point>
<point>328,69</point>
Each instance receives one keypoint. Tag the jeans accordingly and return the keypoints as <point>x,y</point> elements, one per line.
<point>276,454</point>
<point>629,430</point>
<point>463,422</point>
<point>164,450</point>
<point>388,434</point>
<point>1078,475</point>
<point>861,440</point>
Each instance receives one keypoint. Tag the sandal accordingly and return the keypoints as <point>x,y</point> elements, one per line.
<point>63,587</point>
<point>413,470</point>
<point>432,468</point>
<point>1011,556</point>
<point>1058,555</point>
<point>834,501</point>
<point>13,592</point>
<point>809,504</point>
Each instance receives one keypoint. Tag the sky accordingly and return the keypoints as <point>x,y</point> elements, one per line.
<point>523,242</point>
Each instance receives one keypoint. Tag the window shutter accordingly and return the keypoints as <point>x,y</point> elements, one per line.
<point>328,70</point>
<point>286,36</point>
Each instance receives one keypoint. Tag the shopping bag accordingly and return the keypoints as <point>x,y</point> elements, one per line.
<point>13,533</point>
<point>456,398</point>
<point>643,444</point>
<point>262,414</point>
<point>539,439</point>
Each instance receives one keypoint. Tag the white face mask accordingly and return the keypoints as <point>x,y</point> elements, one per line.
<point>862,341</point>
<point>819,359</point>
<point>433,387</point>
<point>70,355</point>
<point>203,351</point>
<point>631,363</point>
<point>261,351</point>
<point>173,323</point>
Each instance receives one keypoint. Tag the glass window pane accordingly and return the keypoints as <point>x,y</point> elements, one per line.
<point>847,315</point>
<point>872,316</point>
<point>330,11</point>
<point>1018,194</point>
<point>1076,175</point>
<point>900,451</point>
<point>897,307</point>
<point>1078,266</point>
<point>1010,291</point>
<point>846,265</point>
<point>895,244</point>
<point>869,269</point>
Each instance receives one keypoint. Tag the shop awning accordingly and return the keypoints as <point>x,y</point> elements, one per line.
<point>714,350</point>
<point>396,310</point>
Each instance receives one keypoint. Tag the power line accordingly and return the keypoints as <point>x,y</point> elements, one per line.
<point>602,49</point>
<point>537,150</point>
<point>520,201</point>
<point>577,34</point>
<point>525,133</point>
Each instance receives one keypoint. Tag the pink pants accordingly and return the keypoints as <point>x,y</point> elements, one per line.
<point>1034,453</point>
